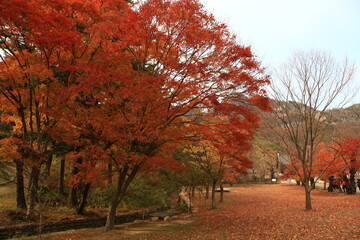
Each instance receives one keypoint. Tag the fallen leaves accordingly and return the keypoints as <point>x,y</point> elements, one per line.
<point>253,212</point>
<point>276,212</point>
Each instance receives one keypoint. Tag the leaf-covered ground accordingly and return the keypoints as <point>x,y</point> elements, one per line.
<point>251,212</point>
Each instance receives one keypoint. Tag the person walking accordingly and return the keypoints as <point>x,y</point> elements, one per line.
<point>343,183</point>
<point>336,185</point>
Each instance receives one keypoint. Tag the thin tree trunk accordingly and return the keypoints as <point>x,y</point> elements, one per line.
<point>73,190</point>
<point>307,195</point>
<point>20,193</point>
<point>109,172</point>
<point>331,184</point>
<point>62,176</point>
<point>48,164</point>
<point>221,194</point>
<point>351,187</point>
<point>85,193</point>
<point>33,191</point>
<point>213,200</point>
<point>192,191</point>
<point>73,196</point>
<point>312,183</point>
<point>207,190</point>
<point>325,184</point>
<point>308,200</point>
<point>190,199</point>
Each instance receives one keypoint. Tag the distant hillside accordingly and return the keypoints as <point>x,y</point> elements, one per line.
<point>349,115</point>
<point>344,122</point>
<point>335,116</point>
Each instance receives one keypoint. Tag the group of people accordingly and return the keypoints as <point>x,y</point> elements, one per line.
<point>342,183</point>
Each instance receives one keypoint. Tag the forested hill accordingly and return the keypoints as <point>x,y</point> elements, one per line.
<point>334,116</point>
<point>345,115</point>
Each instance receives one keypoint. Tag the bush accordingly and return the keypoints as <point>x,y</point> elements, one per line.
<point>145,193</point>
<point>142,192</point>
<point>101,197</point>
<point>52,197</point>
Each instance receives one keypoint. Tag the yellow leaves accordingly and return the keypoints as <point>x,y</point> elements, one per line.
<point>9,149</point>
<point>205,156</point>
<point>13,119</point>
<point>12,149</point>
<point>7,118</point>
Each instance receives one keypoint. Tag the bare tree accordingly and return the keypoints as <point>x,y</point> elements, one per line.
<point>308,85</point>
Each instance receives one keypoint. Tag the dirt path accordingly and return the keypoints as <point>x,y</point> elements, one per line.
<point>251,212</point>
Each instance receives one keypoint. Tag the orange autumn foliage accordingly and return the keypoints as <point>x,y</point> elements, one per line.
<point>121,83</point>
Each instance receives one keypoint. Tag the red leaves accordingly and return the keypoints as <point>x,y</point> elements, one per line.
<point>351,149</point>
<point>87,163</point>
<point>337,158</point>
<point>123,83</point>
<point>261,102</point>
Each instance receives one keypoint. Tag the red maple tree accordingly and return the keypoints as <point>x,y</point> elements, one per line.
<point>122,80</point>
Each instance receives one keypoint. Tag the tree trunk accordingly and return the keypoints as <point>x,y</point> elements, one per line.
<point>192,191</point>
<point>213,200</point>
<point>62,176</point>
<point>221,194</point>
<point>85,193</point>
<point>33,190</point>
<point>351,187</point>
<point>331,184</point>
<point>73,190</point>
<point>73,196</point>
<point>20,193</point>
<point>308,200</point>
<point>110,175</point>
<point>123,182</point>
<point>307,195</point>
<point>190,199</point>
<point>48,163</point>
<point>324,184</point>
<point>312,182</point>
<point>207,190</point>
<point>112,212</point>
<point>297,182</point>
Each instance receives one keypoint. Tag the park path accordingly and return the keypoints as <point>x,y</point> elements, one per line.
<point>252,212</point>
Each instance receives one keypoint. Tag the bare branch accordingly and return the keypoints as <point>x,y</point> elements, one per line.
<point>308,85</point>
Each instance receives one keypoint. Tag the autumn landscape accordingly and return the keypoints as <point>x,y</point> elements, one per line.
<point>126,119</point>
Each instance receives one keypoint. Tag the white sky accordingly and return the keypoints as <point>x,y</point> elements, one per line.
<point>276,28</point>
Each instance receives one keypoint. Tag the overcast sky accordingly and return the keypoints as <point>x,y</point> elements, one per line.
<point>276,28</point>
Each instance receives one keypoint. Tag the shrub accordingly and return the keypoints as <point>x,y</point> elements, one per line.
<point>143,193</point>
<point>52,197</point>
<point>100,197</point>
